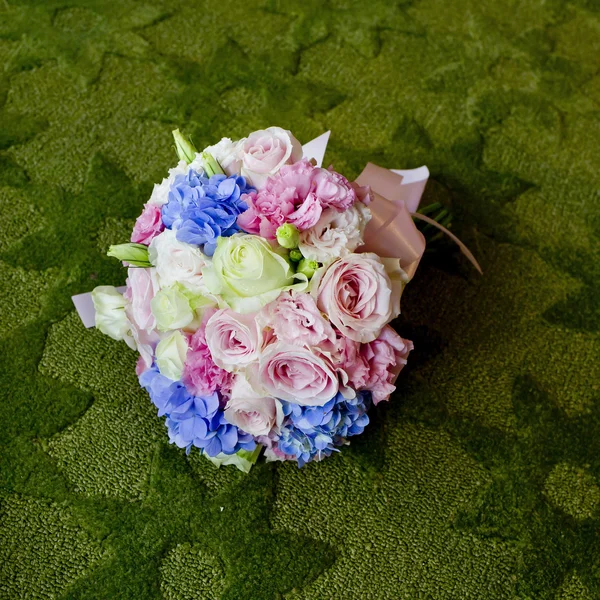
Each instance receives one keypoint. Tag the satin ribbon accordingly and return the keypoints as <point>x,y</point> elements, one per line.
<point>392,231</point>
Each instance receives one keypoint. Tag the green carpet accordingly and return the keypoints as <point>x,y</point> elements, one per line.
<point>480,479</point>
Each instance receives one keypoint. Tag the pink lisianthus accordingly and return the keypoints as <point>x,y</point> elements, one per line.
<point>333,189</point>
<point>385,357</point>
<point>295,319</point>
<point>200,373</point>
<point>142,286</point>
<point>148,225</point>
<point>351,360</point>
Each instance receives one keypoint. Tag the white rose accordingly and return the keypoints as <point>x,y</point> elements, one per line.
<point>264,152</point>
<point>111,318</point>
<point>252,412</point>
<point>336,234</point>
<point>170,355</point>
<point>176,262</point>
<point>160,193</point>
<point>226,153</point>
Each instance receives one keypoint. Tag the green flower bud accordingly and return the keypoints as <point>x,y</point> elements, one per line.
<point>307,267</point>
<point>296,255</point>
<point>211,166</point>
<point>185,149</point>
<point>288,236</point>
<point>242,459</point>
<point>134,254</point>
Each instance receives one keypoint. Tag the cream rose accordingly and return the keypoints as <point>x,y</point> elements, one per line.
<point>170,355</point>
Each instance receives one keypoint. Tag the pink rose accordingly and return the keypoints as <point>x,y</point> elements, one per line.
<point>142,286</point>
<point>333,189</point>
<point>234,340</point>
<point>252,412</point>
<point>264,152</point>
<point>385,357</point>
<point>295,374</point>
<point>148,225</point>
<point>200,373</point>
<point>295,319</point>
<point>360,293</point>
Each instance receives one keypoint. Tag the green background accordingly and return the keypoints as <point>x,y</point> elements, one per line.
<point>480,478</point>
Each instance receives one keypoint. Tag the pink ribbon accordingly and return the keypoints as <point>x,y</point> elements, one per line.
<point>392,231</point>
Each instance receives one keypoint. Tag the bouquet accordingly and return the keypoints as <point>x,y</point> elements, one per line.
<point>259,295</point>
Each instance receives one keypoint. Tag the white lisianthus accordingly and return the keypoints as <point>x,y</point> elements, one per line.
<point>226,153</point>
<point>170,355</point>
<point>336,234</point>
<point>176,262</point>
<point>160,192</point>
<point>111,318</point>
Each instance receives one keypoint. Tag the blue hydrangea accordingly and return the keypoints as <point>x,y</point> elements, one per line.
<point>201,209</point>
<point>194,420</point>
<point>313,432</point>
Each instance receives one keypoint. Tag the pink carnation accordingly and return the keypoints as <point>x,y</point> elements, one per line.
<point>285,198</point>
<point>266,212</point>
<point>148,225</point>
<point>385,358</point>
<point>333,189</point>
<point>200,374</point>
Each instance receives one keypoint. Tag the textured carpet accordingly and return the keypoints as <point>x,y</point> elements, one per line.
<point>480,479</point>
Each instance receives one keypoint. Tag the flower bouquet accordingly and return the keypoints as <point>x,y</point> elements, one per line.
<point>259,294</point>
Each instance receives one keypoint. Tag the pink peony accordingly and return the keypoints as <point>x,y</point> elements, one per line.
<point>252,412</point>
<point>295,374</point>
<point>333,189</point>
<point>360,293</point>
<point>295,319</point>
<point>234,340</point>
<point>148,225</point>
<point>385,357</point>
<point>200,373</point>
